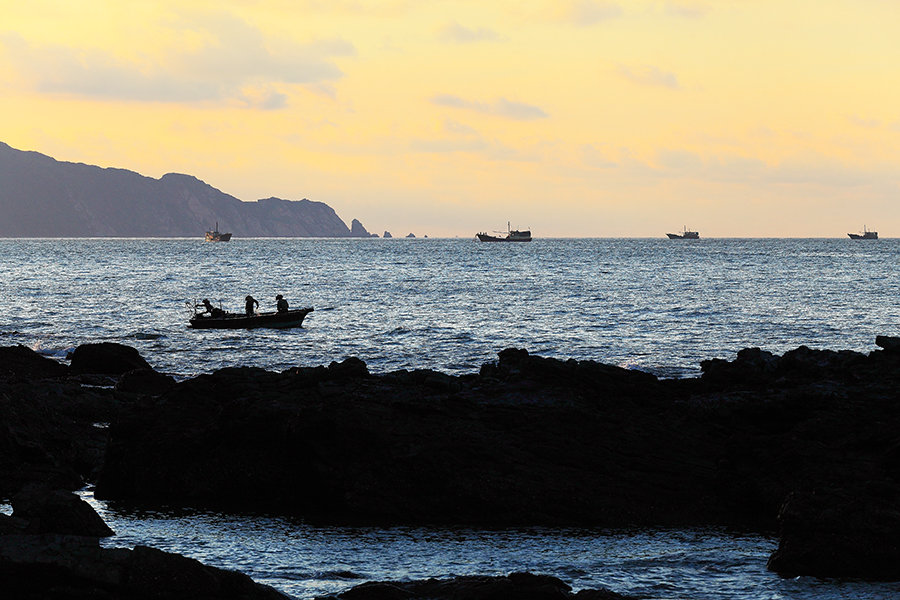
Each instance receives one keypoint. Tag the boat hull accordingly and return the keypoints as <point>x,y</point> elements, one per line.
<point>483,237</point>
<point>215,236</point>
<point>677,236</point>
<point>871,235</point>
<point>271,320</point>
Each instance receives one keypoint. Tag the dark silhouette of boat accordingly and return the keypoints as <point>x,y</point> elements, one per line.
<point>512,235</point>
<point>217,236</point>
<point>864,235</point>
<point>684,235</point>
<point>272,320</point>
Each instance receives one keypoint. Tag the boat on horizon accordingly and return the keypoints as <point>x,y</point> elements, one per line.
<point>512,235</point>
<point>684,235</point>
<point>865,234</point>
<point>217,236</point>
<point>271,320</point>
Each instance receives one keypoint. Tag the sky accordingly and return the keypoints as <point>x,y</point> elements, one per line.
<point>575,118</point>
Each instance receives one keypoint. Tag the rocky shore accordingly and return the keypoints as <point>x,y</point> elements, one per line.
<point>807,444</point>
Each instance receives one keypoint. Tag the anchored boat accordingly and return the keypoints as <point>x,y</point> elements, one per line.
<point>684,235</point>
<point>865,234</point>
<point>512,235</point>
<point>217,236</point>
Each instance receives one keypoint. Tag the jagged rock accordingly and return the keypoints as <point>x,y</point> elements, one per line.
<point>853,533</point>
<point>357,230</point>
<point>387,234</point>
<point>19,361</point>
<point>751,365</point>
<point>520,586</point>
<point>107,358</point>
<point>410,235</point>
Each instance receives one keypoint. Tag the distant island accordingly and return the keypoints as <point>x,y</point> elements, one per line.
<point>43,197</point>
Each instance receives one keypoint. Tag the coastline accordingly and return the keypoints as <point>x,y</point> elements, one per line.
<point>804,442</point>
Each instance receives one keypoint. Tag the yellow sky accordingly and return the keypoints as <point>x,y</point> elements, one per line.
<point>576,118</point>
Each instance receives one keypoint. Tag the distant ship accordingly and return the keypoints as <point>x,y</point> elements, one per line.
<point>217,236</point>
<point>684,235</point>
<point>512,235</point>
<point>865,235</point>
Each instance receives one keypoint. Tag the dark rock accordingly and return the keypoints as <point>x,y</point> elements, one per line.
<point>889,343</point>
<point>19,361</point>
<point>751,365</point>
<point>387,234</point>
<point>61,566</point>
<point>852,533</point>
<point>171,575</point>
<point>518,586</point>
<point>106,358</point>
<point>57,511</point>
<point>349,368</point>
<point>51,431</point>
<point>145,381</point>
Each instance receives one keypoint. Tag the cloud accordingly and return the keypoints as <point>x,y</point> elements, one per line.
<point>585,13</point>
<point>593,157</point>
<point>688,10</point>
<point>652,76</point>
<point>444,146</point>
<point>502,107</point>
<point>458,128</point>
<point>863,122</point>
<point>232,56</point>
<point>454,32</point>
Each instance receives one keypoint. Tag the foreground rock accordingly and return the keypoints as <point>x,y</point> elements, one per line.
<point>107,358</point>
<point>51,426</point>
<point>840,533</point>
<point>41,558</point>
<point>520,586</point>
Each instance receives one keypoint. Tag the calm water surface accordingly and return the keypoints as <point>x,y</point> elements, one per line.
<point>658,305</point>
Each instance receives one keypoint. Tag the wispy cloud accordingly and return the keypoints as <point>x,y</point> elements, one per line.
<point>688,10</point>
<point>455,127</point>
<point>584,13</point>
<point>502,107</point>
<point>649,75</point>
<point>234,56</point>
<point>864,122</point>
<point>454,32</point>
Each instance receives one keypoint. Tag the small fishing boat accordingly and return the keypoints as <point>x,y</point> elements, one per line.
<point>684,235</point>
<point>217,236</point>
<point>512,235</point>
<point>865,234</point>
<point>272,320</point>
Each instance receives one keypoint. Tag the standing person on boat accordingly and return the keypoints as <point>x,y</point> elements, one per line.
<point>248,306</point>
<point>281,303</point>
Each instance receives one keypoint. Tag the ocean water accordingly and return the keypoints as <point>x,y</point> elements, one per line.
<point>451,305</point>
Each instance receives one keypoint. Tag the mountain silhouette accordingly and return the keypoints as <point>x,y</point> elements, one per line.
<point>43,197</point>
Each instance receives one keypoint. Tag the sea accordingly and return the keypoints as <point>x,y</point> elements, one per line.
<point>656,305</point>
